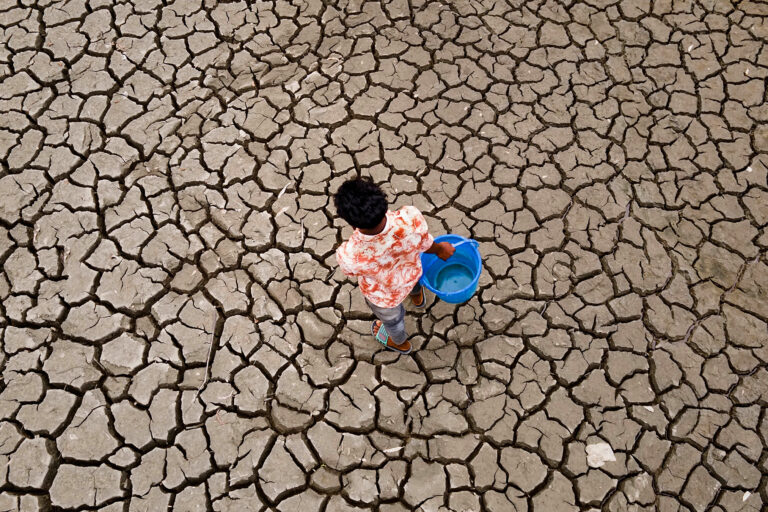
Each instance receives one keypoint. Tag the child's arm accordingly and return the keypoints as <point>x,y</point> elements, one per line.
<point>442,250</point>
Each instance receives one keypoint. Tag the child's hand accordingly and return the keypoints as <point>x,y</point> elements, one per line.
<point>444,250</point>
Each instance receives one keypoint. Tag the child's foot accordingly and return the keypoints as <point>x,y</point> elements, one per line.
<point>418,300</point>
<point>403,348</point>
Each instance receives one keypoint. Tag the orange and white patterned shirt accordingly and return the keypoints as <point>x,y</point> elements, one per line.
<point>387,265</point>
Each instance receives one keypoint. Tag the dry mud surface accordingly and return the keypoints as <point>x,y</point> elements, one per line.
<point>175,336</point>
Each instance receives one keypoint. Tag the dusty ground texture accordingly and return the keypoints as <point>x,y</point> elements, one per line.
<point>175,335</point>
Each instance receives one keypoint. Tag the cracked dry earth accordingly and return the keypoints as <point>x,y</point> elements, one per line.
<point>175,335</point>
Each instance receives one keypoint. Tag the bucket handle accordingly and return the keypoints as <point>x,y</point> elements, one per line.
<point>468,240</point>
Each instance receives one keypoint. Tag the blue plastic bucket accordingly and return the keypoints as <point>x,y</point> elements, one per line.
<point>455,280</point>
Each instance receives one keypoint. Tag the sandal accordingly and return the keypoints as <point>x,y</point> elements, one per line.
<point>385,339</point>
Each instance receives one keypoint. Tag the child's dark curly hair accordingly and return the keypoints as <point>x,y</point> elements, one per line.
<point>361,203</point>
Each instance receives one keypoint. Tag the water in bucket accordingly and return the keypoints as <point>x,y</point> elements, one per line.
<point>453,278</point>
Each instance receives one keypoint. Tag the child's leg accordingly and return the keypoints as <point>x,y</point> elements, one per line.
<point>393,320</point>
<point>417,295</point>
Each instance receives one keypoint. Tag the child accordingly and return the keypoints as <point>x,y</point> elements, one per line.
<point>383,253</point>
